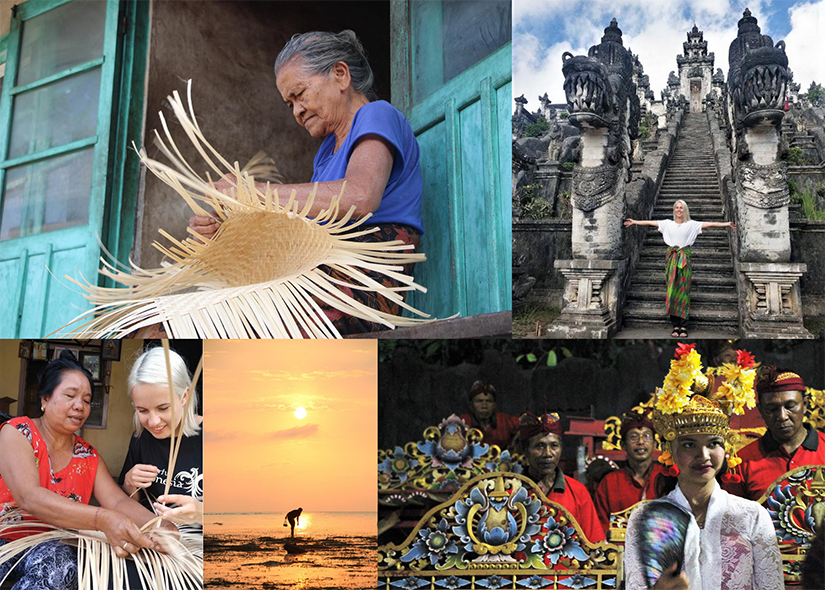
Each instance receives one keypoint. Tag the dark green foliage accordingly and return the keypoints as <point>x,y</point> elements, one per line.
<point>537,129</point>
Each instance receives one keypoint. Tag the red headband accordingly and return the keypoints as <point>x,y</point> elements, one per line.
<point>633,420</point>
<point>481,387</point>
<point>785,381</point>
<point>530,425</point>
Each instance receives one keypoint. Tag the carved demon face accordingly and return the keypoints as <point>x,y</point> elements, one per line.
<point>759,76</point>
<point>764,83</point>
<point>589,95</point>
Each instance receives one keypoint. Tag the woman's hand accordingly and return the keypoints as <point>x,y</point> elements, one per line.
<point>205,226</point>
<point>122,532</point>
<point>188,510</point>
<point>731,225</point>
<point>141,476</point>
<point>628,222</point>
<point>671,581</point>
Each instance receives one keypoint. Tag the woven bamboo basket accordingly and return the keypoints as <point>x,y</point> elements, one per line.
<point>258,277</point>
<point>178,567</point>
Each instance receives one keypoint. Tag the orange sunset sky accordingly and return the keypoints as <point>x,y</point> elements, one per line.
<point>259,457</point>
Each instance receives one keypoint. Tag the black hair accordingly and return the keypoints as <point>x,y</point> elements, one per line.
<point>813,568</point>
<point>52,375</point>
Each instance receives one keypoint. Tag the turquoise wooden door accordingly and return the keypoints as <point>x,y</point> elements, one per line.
<point>56,117</point>
<point>452,74</point>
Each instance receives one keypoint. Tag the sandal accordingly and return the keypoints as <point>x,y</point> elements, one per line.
<point>675,333</point>
<point>683,333</point>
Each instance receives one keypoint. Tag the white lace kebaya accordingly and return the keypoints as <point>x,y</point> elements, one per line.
<point>736,550</point>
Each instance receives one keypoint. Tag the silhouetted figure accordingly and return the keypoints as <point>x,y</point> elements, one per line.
<point>293,517</point>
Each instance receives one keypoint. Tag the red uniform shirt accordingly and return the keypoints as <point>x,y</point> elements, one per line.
<point>574,496</point>
<point>503,427</point>
<point>764,460</point>
<point>619,490</point>
<point>75,481</point>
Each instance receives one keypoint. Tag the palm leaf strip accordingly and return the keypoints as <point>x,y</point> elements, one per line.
<point>258,276</point>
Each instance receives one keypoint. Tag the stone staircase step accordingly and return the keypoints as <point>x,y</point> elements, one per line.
<point>698,265</point>
<point>650,311</point>
<point>691,176</point>
<point>702,297</point>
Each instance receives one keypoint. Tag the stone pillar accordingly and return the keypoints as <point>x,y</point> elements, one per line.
<point>774,304</point>
<point>598,212</point>
<point>590,301</point>
<point>547,175</point>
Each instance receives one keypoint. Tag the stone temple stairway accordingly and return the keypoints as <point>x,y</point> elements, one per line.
<point>691,176</point>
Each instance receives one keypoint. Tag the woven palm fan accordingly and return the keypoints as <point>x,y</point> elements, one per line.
<point>258,277</point>
<point>180,567</point>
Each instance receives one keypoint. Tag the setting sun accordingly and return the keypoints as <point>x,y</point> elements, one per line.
<point>300,413</point>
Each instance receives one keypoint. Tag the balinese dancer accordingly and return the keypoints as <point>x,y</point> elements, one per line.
<point>728,542</point>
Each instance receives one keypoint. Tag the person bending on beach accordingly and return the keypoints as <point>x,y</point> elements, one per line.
<point>292,517</point>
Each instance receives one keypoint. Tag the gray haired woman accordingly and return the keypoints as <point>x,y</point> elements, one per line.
<point>326,80</point>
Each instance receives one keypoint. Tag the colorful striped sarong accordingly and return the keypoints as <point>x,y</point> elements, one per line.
<point>678,273</point>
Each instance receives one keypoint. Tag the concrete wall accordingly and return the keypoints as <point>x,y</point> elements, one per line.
<point>113,442</point>
<point>10,370</point>
<point>228,50</point>
<point>5,14</point>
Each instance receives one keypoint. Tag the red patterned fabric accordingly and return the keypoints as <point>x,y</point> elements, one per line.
<point>345,324</point>
<point>75,481</point>
<point>678,274</point>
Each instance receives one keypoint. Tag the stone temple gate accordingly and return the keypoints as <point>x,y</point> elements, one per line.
<point>614,152</point>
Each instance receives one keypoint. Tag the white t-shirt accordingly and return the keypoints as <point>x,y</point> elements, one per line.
<point>680,235</point>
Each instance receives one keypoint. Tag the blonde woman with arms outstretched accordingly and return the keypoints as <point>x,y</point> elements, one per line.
<point>679,234</point>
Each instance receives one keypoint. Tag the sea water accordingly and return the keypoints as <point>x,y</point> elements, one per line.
<point>247,551</point>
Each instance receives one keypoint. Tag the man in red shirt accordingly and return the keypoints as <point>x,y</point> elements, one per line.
<point>498,428</point>
<point>635,481</point>
<point>788,443</point>
<point>541,442</point>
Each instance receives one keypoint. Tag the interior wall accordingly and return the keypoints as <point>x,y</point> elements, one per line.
<point>228,50</point>
<point>10,370</point>
<point>5,14</point>
<point>113,442</point>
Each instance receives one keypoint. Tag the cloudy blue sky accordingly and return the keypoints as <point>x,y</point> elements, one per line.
<point>655,30</point>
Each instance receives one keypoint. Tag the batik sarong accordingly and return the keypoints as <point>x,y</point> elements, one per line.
<point>347,324</point>
<point>677,274</point>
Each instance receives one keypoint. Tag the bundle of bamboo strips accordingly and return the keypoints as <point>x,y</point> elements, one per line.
<point>179,567</point>
<point>258,277</point>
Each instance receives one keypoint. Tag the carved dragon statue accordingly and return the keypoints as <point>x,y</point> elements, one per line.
<point>603,103</point>
<point>758,80</point>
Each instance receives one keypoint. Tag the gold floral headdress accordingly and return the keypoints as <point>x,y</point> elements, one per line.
<point>686,403</point>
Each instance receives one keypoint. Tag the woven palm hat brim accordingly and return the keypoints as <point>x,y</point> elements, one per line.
<point>259,276</point>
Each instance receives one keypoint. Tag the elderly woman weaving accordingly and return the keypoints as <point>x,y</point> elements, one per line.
<point>327,82</point>
<point>719,541</point>
<point>51,474</point>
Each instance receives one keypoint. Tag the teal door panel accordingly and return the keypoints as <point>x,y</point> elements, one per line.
<point>42,301</point>
<point>63,114</point>
<point>440,295</point>
<point>452,73</point>
<point>466,190</point>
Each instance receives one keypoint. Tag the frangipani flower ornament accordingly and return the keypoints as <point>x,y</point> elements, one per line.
<point>259,276</point>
